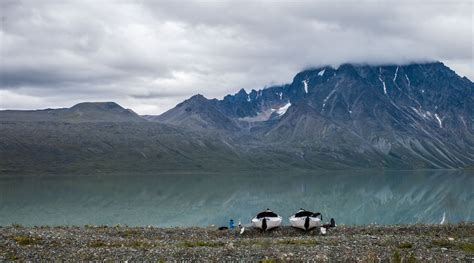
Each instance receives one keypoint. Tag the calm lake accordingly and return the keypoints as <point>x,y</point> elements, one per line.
<point>202,199</point>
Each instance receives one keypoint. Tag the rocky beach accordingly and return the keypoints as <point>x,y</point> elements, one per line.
<point>368,243</point>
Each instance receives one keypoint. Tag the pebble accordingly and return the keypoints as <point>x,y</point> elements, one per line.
<point>343,243</point>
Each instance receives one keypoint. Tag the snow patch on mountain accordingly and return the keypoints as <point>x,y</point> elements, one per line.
<point>267,114</point>
<point>440,122</point>
<point>321,73</point>
<point>408,80</point>
<point>384,87</point>
<point>305,83</point>
<point>383,82</point>
<point>429,116</point>
<point>282,110</point>
<point>419,112</point>
<point>327,97</point>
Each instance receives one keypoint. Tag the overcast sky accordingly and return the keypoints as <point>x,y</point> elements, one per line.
<point>150,55</point>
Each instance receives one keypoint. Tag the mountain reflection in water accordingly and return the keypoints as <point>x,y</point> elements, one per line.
<point>201,199</point>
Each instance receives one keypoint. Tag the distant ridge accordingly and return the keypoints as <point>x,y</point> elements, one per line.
<point>82,112</point>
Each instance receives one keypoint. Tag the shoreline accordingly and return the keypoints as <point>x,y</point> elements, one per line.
<point>48,174</point>
<point>410,243</point>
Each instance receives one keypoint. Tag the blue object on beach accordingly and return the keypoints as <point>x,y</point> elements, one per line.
<point>231,224</point>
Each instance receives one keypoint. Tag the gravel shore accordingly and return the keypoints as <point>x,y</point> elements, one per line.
<point>369,243</point>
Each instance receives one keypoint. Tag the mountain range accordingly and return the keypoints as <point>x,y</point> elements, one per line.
<point>415,116</point>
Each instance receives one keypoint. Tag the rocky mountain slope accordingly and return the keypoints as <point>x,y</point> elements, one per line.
<point>392,116</point>
<point>417,115</point>
<point>197,113</point>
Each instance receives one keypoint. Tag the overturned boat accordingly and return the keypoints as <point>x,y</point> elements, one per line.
<point>266,220</point>
<point>306,219</point>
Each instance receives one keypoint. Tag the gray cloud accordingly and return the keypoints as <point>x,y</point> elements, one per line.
<point>149,55</point>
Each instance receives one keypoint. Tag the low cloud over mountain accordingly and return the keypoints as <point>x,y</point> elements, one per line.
<point>149,55</point>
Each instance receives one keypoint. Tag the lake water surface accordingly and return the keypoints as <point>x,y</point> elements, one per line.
<point>202,199</point>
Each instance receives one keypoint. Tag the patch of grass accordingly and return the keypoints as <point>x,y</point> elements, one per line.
<point>467,247</point>
<point>56,243</point>
<point>15,225</point>
<point>410,259</point>
<point>263,243</point>
<point>405,245</point>
<point>97,244</point>
<point>12,257</point>
<point>254,242</point>
<point>371,257</point>
<point>96,227</point>
<point>26,240</point>
<point>128,233</point>
<point>140,244</point>
<point>202,244</point>
<point>396,258</point>
<point>271,260</point>
<point>297,242</point>
<point>443,243</point>
<point>135,244</point>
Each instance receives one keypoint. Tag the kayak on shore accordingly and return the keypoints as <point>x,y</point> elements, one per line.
<point>266,220</point>
<point>306,220</point>
<point>303,219</point>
